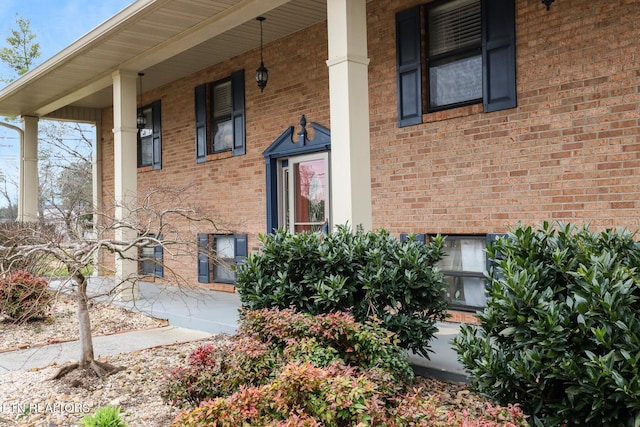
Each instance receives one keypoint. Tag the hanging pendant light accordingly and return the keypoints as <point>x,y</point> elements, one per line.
<point>262,74</point>
<point>141,120</point>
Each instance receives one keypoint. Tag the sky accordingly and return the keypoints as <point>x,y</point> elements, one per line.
<point>56,24</point>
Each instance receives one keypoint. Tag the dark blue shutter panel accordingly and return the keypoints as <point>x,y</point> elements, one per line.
<point>201,122</point>
<point>204,275</point>
<point>242,250</point>
<point>499,54</point>
<point>157,135</point>
<point>237,116</point>
<point>409,67</point>
<point>158,254</point>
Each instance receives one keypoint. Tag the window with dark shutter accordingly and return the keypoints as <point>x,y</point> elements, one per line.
<point>150,137</point>
<point>220,117</point>
<point>469,54</point>
<point>150,260</point>
<point>230,250</point>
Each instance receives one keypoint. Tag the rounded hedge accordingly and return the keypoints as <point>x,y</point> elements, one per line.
<point>560,334</point>
<point>366,273</point>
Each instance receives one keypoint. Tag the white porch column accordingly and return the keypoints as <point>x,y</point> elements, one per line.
<point>125,176</point>
<point>349,104</point>
<point>29,190</point>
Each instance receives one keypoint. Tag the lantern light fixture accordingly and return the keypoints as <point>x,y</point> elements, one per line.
<point>141,120</point>
<point>262,74</point>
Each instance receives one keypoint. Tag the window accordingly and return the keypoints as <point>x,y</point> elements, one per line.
<point>454,53</point>
<point>150,261</point>
<point>469,57</point>
<point>463,268</point>
<point>220,117</point>
<point>149,138</point>
<point>217,253</point>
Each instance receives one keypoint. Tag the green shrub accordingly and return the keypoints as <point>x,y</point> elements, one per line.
<point>367,273</point>
<point>267,340</point>
<point>560,334</point>
<point>107,416</point>
<point>24,297</point>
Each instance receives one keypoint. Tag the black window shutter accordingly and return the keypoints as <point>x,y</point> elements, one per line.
<point>237,116</point>
<point>157,135</point>
<point>201,122</point>
<point>158,254</point>
<point>204,273</point>
<point>409,67</point>
<point>499,54</point>
<point>241,250</point>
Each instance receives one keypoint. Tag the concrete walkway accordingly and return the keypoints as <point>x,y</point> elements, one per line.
<point>108,345</point>
<point>193,315</point>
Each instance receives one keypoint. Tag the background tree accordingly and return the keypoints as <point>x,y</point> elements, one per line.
<point>22,51</point>
<point>65,173</point>
<point>65,149</point>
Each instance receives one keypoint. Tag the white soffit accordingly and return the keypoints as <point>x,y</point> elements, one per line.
<point>166,39</point>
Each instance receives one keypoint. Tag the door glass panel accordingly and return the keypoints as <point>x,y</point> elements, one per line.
<point>310,195</point>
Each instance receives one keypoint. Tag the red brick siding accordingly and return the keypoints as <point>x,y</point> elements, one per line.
<point>570,150</point>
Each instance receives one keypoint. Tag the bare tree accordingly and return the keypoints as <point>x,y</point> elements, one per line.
<point>158,220</point>
<point>65,172</point>
<point>8,190</point>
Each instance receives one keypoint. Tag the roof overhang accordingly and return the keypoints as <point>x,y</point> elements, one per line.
<point>165,39</point>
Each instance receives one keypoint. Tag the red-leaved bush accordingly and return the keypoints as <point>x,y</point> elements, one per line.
<point>289,369</point>
<point>303,395</point>
<point>24,297</point>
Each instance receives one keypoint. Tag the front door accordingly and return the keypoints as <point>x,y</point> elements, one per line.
<point>298,180</point>
<point>304,192</point>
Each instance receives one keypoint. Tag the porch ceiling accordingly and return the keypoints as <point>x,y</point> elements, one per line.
<point>165,39</point>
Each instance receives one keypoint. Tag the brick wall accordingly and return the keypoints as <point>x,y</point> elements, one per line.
<point>570,151</point>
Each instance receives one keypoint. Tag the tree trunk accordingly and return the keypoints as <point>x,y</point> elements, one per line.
<point>86,362</point>
<point>84,323</point>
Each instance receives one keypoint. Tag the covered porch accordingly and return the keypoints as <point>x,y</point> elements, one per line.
<point>153,43</point>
